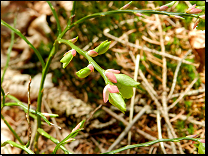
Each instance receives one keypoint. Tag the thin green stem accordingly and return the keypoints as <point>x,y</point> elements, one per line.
<point>56,17</point>
<point>40,94</point>
<point>125,11</point>
<point>14,144</point>
<point>89,58</point>
<point>150,143</point>
<point>45,134</point>
<point>24,38</point>
<point>11,129</point>
<point>73,11</point>
<point>9,51</point>
<point>3,100</point>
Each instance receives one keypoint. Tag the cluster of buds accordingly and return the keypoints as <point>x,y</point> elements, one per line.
<point>122,89</point>
<point>119,87</point>
<point>99,50</point>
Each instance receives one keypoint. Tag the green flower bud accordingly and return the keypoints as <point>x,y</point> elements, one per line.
<point>103,47</point>
<point>126,80</point>
<point>68,57</point>
<point>117,100</point>
<point>85,71</point>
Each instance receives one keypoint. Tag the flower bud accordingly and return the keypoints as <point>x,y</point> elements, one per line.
<point>193,10</point>
<point>117,100</point>
<point>103,47</point>
<point>109,89</point>
<point>92,53</point>
<point>138,14</point>
<point>110,75</point>
<point>68,57</point>
<point>74,40</point>
<point>163,8</point>
<point>85,71</point>
<point>202,140</point>
<point>125,6</point>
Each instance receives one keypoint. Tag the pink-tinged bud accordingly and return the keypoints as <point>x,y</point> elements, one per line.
<point>74,40</point>
<point>163,8</point>
<point>202,16</point>
<point>138,14</point>
<point>113,71</point>
<point>91,67</point>
<point>73,52</point>
<point>193,10</point>
<point>111,76</point>
<point>179,17</point>
<point>190,8</point>
<point>202,140</point>
<point>92,53</point>
<point>191,136</point>
<point>109,89</point>
<point>77,127</point>
<point>125,6</point>
<point>196,23</point>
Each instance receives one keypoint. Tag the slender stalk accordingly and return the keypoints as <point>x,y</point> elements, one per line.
<point>14,144</point>
<point>56,17</point>
<point>11,129</point>
<point>149,12</point>
<point>9,51</point>
<point>45,134</point>
<point>40,94</point>
<point>150,143</point>
<point>73,12</point>
<point>24,38</point>
<point>27,115</point>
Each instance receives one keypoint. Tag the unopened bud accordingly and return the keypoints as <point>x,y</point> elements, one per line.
<point>202,16</point>
<point>68,57</point>
<point>103,47</point>
<point>85,71</point>
<point>74,40</point>
<point>125,6</point>
<point>163,8</point>
<point>92,53</point>
<point>138,14</point>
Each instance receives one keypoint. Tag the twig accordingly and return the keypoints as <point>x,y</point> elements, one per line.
<point>27,115</point>
<point>122,135</point>
<point>91,114</point>
<point>160,131</point>
<point>132,100</point>
<point>184,93</point>
<point>145,48</point>
<point>97,144</point>
<point>162,112</point>
<point>164,81</point>
<point>173,147</point>
<point>176,74</point>
<point>192,92</point>
<point>119,118</point>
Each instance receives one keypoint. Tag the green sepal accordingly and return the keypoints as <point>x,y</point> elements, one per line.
<point>126,80</point>
<point>126,91</point>
<point>66,59</point>
<point>83,72</point>
<point>117,100</point>
<point>103,47</point>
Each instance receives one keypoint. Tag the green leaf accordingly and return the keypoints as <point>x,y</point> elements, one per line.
<point>126,91</point>
<point>126,80</point>
<point>83,72</point>
<point>201,148</point>
<point>117,100</point>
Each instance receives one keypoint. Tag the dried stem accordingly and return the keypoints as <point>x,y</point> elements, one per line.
<point>27,115</point>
